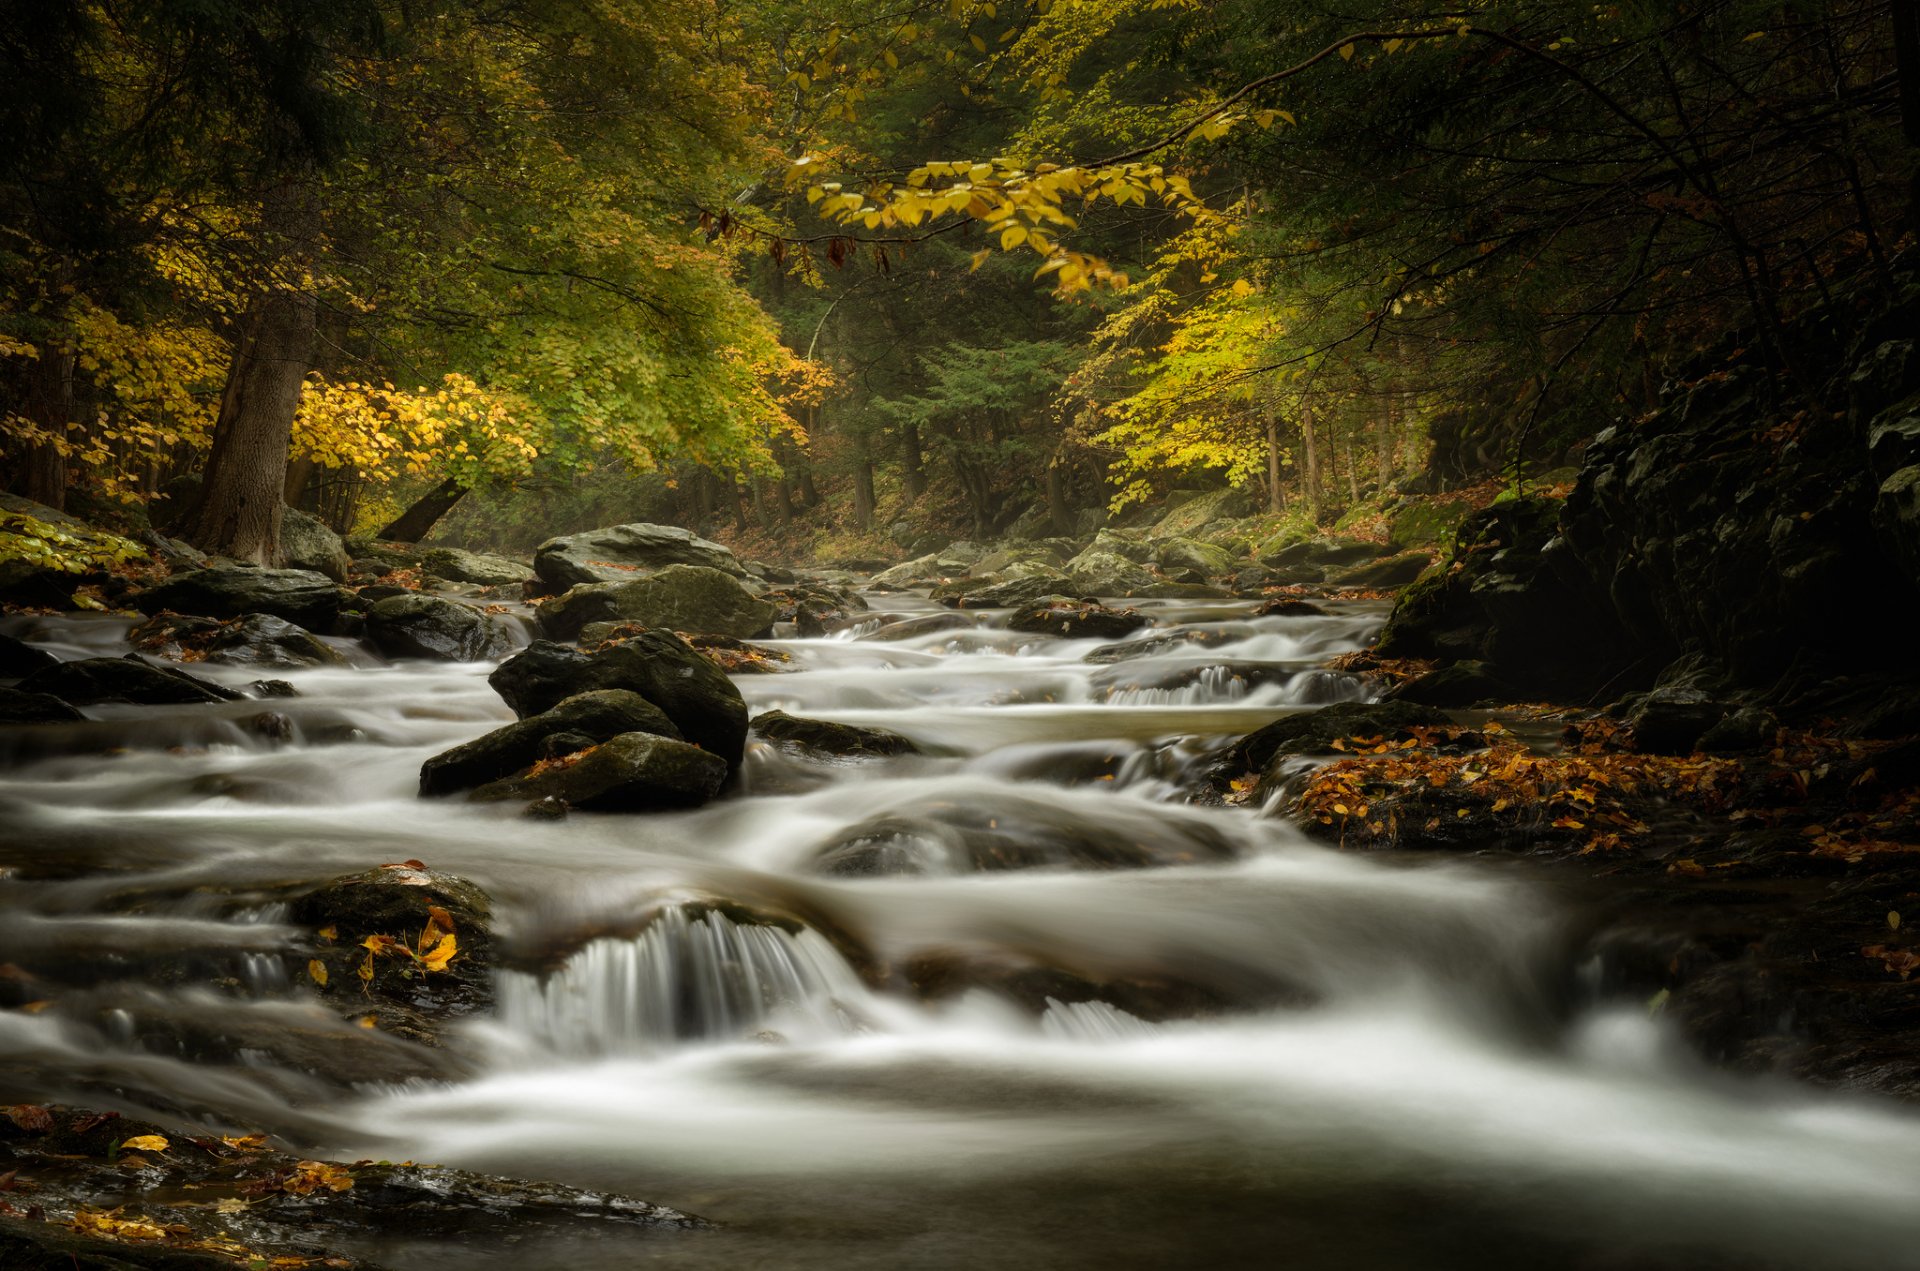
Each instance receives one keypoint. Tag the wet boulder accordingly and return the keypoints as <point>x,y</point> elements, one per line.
<point>1671,720</point>
<point>1289,607</point>
<point>619,553</point>
<point>1457,685</point>
<point>1208,560</point>
<point>818,736</point>
<point>127,679</point>
<point>484,570</point>
<point>690,598</point>
<point>17,707</point>
<point>398,902</point>
<point>1077,619</point>
<point>924,625</point>
<point>1100,573</point>
<point>634,772</point>
<point>577,723</point>
<point>18,658</point>
<point>307,543</point>
<point>1748,729</point>
<point>300,596</point>
<point>1314,732</point>
<point>815,610</point>
<point>694,693</point>
<point>735,657</point>
<point>416,626</point>
<point>1016,834</point>
<point>255,639</point>
<point>1154,646</point>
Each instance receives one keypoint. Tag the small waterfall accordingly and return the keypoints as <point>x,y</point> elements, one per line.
<point>685,979</point>
<point>1093,1021</point>
<point>1202,687</point>
<point>263,972</point>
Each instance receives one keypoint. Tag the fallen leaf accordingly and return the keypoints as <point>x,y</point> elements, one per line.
<point>318,971</point>
<point>30,1117</point>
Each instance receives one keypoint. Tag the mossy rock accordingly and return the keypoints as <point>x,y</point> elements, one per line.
<point>1427,522</point>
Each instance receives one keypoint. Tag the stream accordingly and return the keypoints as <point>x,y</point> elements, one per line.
<point>1044,1013</point>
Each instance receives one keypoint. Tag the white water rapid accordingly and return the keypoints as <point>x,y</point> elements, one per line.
<point>1013,1003</point>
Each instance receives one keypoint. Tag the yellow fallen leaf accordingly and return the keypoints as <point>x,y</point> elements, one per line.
<point>442,953</point>
<point>318,970</point>
<point>146,1143</point>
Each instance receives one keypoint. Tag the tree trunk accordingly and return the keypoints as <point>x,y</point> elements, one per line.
<point>703,497</point>
<point>803,471</point>
<point>739,503</point>
<point>1389,438</point>
<point>238,510</point>
<point>1310,445</point>
<point>1906,59</point>
<point>1059,512</point>
<point>1353,467</point>
<point>863,500</point>
<point>50,406</point>
<point>913,476</point>
<point>299,472</point>
<point>1276,502</point>
<point>414,524</point>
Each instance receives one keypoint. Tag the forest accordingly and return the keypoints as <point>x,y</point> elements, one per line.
<point>959,633</point>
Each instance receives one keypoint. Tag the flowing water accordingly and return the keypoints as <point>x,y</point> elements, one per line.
<point>1009,1003</point>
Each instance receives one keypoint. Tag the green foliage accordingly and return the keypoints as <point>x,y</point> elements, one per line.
<point>30,544</point>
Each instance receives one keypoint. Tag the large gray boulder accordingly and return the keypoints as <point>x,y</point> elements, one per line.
<point>689,598</point>
<point>1098,573</point>
<point>307,543</point>
<point>1019,584</point>
<point>588,718</point>
<point>1197,513</point>
<point>634,772</point>
<point>1131,544</point>
<point>621,552</point>
<point>694,693</point>
<point>1177,554</point>
<point>474,567</point>
<point>918,570</point>
<point>416,626</point>
<point>301,596</point>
